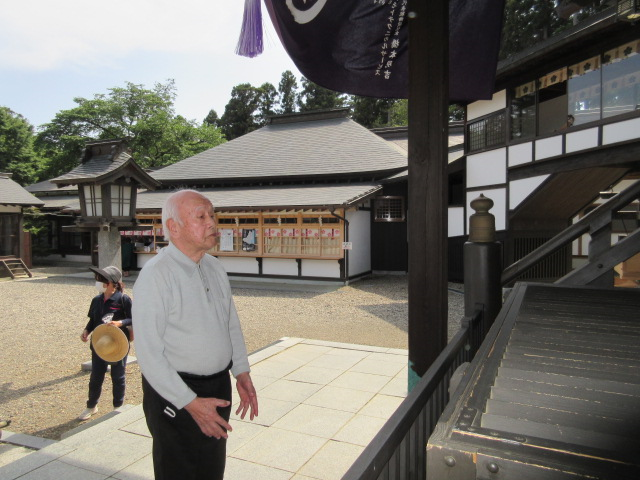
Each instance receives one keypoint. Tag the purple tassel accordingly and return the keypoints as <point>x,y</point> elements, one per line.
<point>250,41</point>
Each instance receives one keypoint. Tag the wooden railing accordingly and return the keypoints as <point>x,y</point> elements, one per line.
<point>399,450</point>
<point>602,256</point>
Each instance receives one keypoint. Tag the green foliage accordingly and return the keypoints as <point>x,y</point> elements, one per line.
<point>35,222</point>
<point>527,22</point>
<point>17,155</point>
<point>287,92</point>
<point>212,118</point>
<point>268,99</point>
<point>315,97</point>
<point>399,114</point>
<point>240,113</point>
<point>144,117</point>
<point>372,112</point>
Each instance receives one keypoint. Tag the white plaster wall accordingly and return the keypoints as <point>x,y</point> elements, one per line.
<point>521,153</point>
<point>10,209</point>
<point>456,221</point>
<point>621,131</point>
<point>485,107</point>
<point>582,140</point>
<point>548,147</point>
<point>487,168</point>
<point>239,264</point>
<point>320,268</point>
<point>499,210</point>
<point>360,236</point>
<point>279,266</point>
<point>521,189</point>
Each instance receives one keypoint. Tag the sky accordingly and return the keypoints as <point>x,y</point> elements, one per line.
<point>54,51</point>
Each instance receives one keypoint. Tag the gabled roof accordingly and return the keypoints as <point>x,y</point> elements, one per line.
<point>285,196</point>
<point>102,162</point>
<point>294,147</point>
<point>11,193</point>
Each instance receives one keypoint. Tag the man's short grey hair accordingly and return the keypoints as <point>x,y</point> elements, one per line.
<point>171,210</point>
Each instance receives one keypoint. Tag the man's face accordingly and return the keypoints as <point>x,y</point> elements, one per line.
<point>198,223</point>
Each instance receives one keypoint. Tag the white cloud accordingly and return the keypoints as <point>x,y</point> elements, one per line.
<point>43,34</point>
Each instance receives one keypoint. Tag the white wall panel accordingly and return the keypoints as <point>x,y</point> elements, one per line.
<point>360,236</point>
<point>456,221</point>
<point>581,140</point>
<point>239,264</point>
<point>521,189</point>
<point>279,266</point>
<point>485,107</point>
<point>499,210</point>
<point>621,131</point>
<point>521,153</point>
<point>548,147</point>
<point>320,268</point>
<point>487,168</point>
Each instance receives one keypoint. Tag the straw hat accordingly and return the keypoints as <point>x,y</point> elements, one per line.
<point>110,343</point>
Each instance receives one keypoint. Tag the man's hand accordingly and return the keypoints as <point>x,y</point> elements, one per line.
<point>248,396</point>
<point>204,412</point>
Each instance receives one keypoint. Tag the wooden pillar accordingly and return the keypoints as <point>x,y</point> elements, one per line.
<point>428,130</point>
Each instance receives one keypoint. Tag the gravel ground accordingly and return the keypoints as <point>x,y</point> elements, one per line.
<point>42,386</point>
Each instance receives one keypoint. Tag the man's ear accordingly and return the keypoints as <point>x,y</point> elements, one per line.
<point>172,225</point>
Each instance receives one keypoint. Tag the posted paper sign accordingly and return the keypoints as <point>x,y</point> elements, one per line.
<point>226,240</point>
<point>347,245</point>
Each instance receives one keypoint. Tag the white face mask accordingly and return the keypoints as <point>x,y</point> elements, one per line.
<point>100,287</point>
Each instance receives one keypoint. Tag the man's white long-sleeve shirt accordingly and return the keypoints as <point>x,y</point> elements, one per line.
<point>185,321</point>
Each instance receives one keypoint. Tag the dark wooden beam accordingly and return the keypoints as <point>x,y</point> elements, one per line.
<point>428,109</point>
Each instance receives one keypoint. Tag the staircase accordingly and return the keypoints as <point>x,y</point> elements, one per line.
<point>15,266</point>
<point>553,393</point>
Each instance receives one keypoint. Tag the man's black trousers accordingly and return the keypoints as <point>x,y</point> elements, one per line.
<point>180,449</point>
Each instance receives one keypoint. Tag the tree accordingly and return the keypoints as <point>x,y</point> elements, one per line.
<point>287,92</point>
<point>268,99</point>
<point>239,115</point>
<point>399,114</point>
<point>144,117</point>
<point>315,97</point>
<point>212,119</point>
<point>17,154</point>
<point>372,112</point>
<point>527,22</point>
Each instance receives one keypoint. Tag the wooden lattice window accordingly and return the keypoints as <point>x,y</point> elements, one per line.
<point>389,209</point>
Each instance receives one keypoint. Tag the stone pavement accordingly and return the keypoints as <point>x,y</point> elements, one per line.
<point>321,403</point>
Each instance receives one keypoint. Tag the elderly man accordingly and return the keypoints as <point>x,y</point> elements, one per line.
<point>188,337</point>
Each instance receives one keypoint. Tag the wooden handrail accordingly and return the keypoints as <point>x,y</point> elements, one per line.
<point>593,221</point>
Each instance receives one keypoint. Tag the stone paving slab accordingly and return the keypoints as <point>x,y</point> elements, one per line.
<point>321,403</point>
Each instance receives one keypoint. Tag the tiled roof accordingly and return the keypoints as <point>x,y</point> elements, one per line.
<point>327,195</point>
<point>96,167</point>
<point>48,186</point>
<point>298,149</point>
<point>60,202</point>
<point>12,193</point>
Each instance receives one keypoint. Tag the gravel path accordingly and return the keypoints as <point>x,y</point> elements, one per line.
<point>42,387</point>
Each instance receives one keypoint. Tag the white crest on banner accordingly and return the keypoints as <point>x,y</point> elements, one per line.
<point>305,16</point>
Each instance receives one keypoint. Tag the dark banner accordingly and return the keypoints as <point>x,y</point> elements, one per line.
<point>361,46</point>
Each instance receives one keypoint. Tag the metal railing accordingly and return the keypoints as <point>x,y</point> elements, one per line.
<point>398,451</point>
